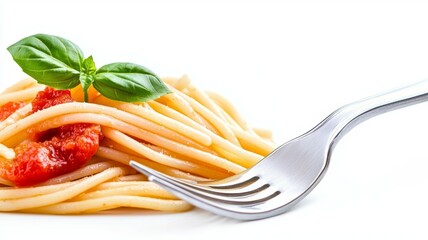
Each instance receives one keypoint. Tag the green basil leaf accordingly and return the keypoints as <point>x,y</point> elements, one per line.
<point>87,75</point>
<point>129,82</point>
<point>59,63</point>
<point>51,60</point>
<point>88,66</point>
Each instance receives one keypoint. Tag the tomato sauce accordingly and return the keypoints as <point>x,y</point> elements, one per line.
<point>9,108</point>
<point>53,152</point>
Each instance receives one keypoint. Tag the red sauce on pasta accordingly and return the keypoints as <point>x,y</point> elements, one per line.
<point>9,108</point>
<point>53,152</point>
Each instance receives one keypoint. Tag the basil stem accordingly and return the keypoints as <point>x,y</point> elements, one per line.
<point>87,75</point>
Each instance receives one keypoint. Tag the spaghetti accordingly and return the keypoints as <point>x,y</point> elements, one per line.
<point>188,134</point>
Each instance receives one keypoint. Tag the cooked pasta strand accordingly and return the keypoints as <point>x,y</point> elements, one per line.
<point>111,202</point>
<point>23,84</point>
<point>22,95</point>
<point>189,134</point>
<point>62,195</point>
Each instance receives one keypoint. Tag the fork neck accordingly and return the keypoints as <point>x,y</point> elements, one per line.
<point>345,118</point>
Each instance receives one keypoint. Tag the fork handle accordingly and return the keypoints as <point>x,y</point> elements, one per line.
<point>345,118</point>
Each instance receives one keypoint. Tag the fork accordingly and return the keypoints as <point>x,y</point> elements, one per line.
<point>290,172</point>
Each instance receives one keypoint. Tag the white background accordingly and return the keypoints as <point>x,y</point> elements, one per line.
<point>286,65</point>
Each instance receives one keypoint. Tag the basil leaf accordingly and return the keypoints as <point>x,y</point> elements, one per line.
<point>88,66</point>
<point>128,82</point>
<point>87,75</point>
<point>59,63</point>
<point>50,60</point>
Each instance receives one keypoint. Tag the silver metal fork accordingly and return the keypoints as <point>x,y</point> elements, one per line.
<point>290,172</point>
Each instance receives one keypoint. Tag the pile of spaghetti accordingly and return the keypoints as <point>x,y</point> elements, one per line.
<point>60,155</point>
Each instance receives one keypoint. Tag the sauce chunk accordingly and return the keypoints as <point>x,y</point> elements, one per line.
<point>56,151</point>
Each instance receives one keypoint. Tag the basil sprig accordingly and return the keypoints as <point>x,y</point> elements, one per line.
<point>59,63</point>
